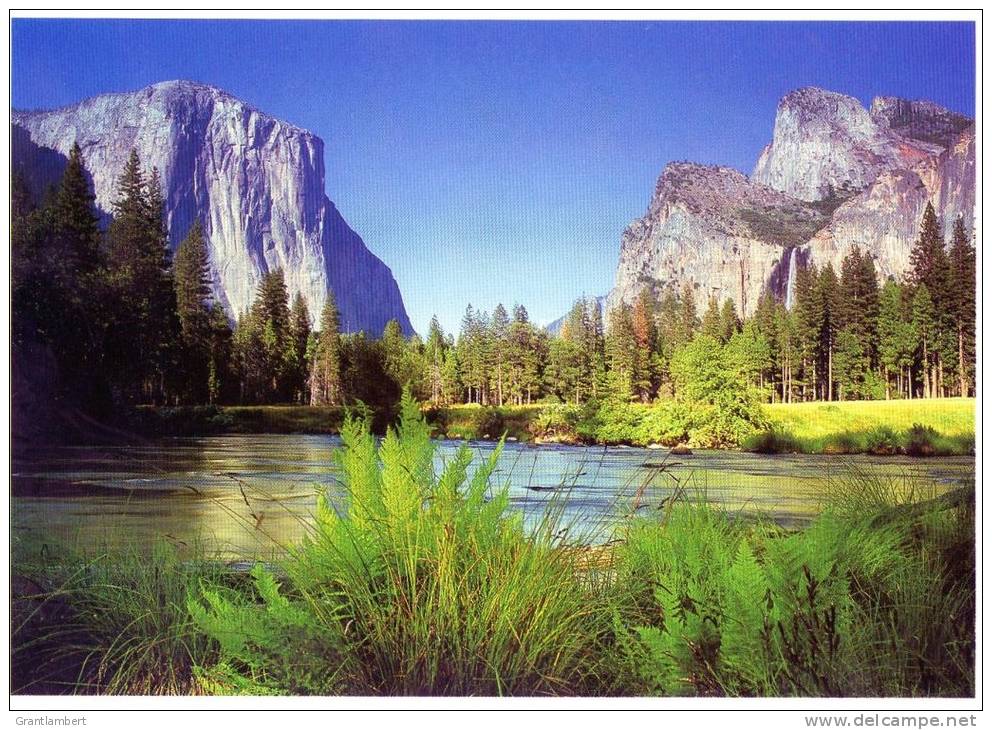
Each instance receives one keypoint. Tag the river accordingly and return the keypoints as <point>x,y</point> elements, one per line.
<point>252,496</point>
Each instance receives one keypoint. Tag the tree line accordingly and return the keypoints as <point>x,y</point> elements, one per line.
<point>127,322</point>
<point>845,337</point>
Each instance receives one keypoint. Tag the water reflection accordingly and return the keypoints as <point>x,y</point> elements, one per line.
<point>253,495</point>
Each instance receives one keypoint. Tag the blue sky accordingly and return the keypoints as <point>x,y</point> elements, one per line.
<point>489,162</point>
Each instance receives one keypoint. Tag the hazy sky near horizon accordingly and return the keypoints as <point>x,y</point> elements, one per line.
<point>501,161</point>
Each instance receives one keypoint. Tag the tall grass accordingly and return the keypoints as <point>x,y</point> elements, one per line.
<point>115,623</point>
<point>427,583</point>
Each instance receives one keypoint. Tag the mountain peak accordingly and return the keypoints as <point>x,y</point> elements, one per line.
<point>255,183</point>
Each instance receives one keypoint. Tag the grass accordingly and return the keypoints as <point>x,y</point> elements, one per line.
<point>934,427</point>
<point>427,583</point>
<point>112,623</point>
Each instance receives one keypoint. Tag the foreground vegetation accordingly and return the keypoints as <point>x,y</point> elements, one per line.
<point>428,582</point>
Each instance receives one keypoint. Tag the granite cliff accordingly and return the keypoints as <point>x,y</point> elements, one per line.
<point>835,175</point>
<point>256,183</point>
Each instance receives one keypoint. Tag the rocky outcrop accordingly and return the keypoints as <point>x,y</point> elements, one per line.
<point>256,183</point>
<point>713,228</point>
<point>835,175</point>
<point>884,220</point>
<point>826,142</point>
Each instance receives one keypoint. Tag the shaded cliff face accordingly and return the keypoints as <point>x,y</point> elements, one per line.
<point>256,182</point>
<point>718,231</point>
<point>835,175</point>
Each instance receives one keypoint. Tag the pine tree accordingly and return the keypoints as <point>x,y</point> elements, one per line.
<point>57,272</point>
<point>563,373</point>
<point>962,305</point>
<point>299,330</point>
<point>928,259</point>
<point>807,311</point>
<point>144,322</point>
<point>326,373</point>
<point>192,279</point>
<point>191,275</point>
<point>622,354</point>
<point>828,301</point>
<point>271,319</point>
<point>858,302</point>
<point>499,330</point>
<point>711,325</point>
<point>435,356</point>
<point>645,329</point>
<point>729,321</point>
<point>895,338</point>
<point>75,220</point>
<point>219,371</point>
<point>924,329</point>
<point>849,362</point>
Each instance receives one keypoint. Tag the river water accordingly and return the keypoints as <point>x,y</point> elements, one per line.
<point>252,496</point>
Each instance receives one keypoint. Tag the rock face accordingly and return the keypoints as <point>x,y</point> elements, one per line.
<point>884,220</point>
<point>257,184</point>
<point>825,141</point>
<point>715,229</point>
<point>835,175</point>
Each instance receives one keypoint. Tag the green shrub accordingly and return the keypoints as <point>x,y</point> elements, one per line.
<point>842,443</point>
<point>845,607</point>
<point>772,441</point>
<point>663,423</point>
<point>558,422</point>
<point>882,441</point>
<point>426,584</point>
<point>618,423</point>
<point>923,441</point>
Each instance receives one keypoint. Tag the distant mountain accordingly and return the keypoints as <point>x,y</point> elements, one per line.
<point>554,328</point>
<point>835,175</point>
<point>256,183</point>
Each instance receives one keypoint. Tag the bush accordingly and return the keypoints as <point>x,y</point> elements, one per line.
<point>721,408</point>
<point>882,441</point>
<point>618,423</point>
<point>772,441</point>
<point>663,423</point>
<point>426,584</point>
<point>558,422</point>
<point>845,607</point>
<point>922,441</point>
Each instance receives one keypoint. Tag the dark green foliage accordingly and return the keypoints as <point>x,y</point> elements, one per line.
<point>198,360</point>
<point>325,376</point>
<point>962,305</point>
<point>850,606</point>
<point>143,322</point>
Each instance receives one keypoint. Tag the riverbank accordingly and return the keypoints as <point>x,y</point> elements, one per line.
<point>432,585</point>
<point>934,427</point>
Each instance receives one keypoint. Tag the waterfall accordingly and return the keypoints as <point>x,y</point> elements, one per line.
<point>791,281</point>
